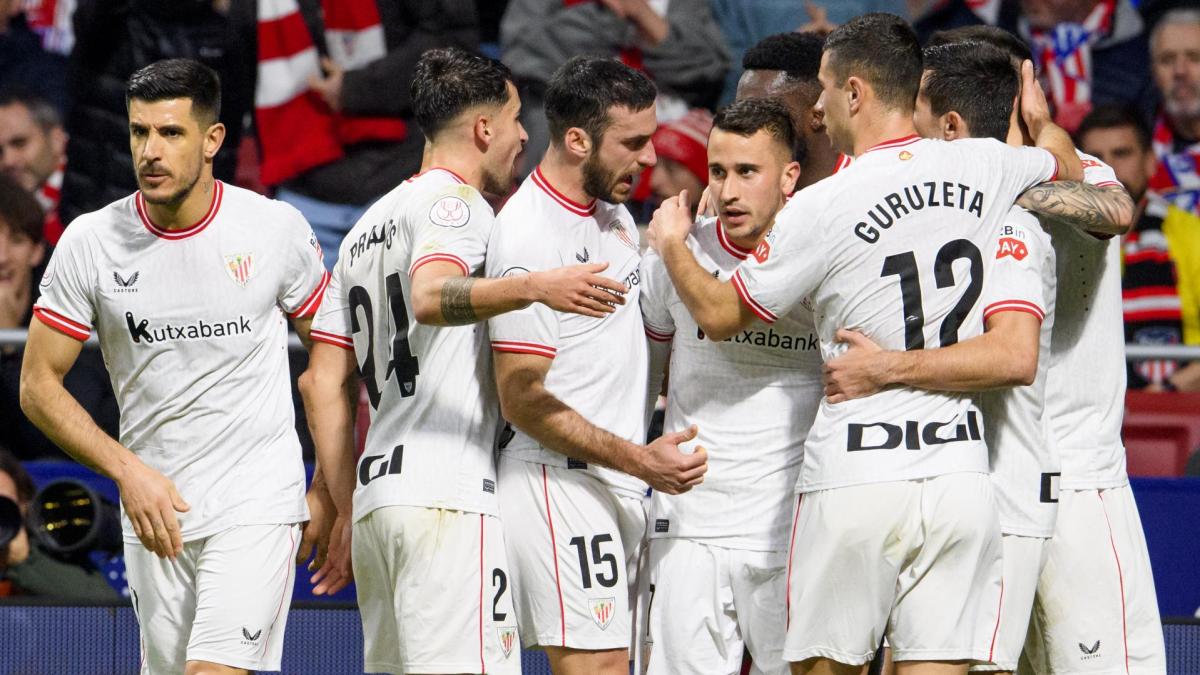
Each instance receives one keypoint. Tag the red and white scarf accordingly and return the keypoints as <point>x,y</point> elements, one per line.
<point>51,20</point>
<point>48,196</point>
<point>296,129</point>
<point>1178,176</point>
<point>1064,54</point>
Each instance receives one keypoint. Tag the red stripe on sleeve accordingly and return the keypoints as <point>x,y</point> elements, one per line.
<point>332,339</point>
<point>523,348</point>
<point>744,293</point>
<point>439,257</point>
<point>62,324</point>
<point>309,306</point>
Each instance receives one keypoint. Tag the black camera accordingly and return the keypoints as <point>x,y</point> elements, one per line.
<point>10,520</point>
<point>70,518</point>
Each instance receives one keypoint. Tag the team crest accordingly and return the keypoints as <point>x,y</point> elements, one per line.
<point>603,610</point>
<point>619,230</point>
<point>450,212</point>
<point>240,267</point>
<point>508,638</point>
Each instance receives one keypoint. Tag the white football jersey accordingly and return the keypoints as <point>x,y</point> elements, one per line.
<point>1024,463</point>
<point>193,327</point>
<point>434,412</point>
<point>1085,391</point>
<point>600,365</point>
<point>893,246</point>
<point>753,398</point>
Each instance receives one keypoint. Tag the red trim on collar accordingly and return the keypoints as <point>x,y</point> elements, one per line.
<point>730,247</point>
<point>564,201</point>
<point>174,235</point>
<point>894,143</point>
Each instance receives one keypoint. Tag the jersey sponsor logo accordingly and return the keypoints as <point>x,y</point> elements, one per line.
<point>250,638</point>
<point>450,212</point>
<point>770,339</point>
<point>513,271</point>
<point>142,331</point>
<point>916,198</point>
<point>583,257</point>
<point>603,610</point>
<point>507,637</point>
<point>1089,653</point>
<point>125,285</point>
<point>762,251</point>
<point>573,463</point>
<point>240,266</point>
<point>383,234</point>
<point>1013,247</point>
<point>662,525</point>
<point>489,486</point>
<point>1049,490</point>
<point>1089,163</point>
<point>913,435</point>
<point>388,467</point>
<point>634,278</point>
<point>48,275</point>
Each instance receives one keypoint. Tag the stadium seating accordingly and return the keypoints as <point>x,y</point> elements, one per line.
<point>1161,431</point>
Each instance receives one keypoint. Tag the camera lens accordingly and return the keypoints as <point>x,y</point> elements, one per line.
<point>10,520</point>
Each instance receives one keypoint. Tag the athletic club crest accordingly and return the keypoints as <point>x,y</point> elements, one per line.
<point>508,638</point>
<point>240,267</point>
<point>619,229</point>
<point>603,610</point>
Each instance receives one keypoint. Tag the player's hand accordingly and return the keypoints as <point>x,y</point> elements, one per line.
<point>329,86</point>
<point>151,500</point>
<point>668,470</point>
<point>336,572</point>
<point>818,20</point>
<point>1035,110</point>
<point>671,223</point>
<point>706,207</point>
<point>859,371</point>
<point>314,542</point>
<point>578,289</point>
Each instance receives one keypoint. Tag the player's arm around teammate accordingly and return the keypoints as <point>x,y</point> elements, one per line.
<point>150,498</point>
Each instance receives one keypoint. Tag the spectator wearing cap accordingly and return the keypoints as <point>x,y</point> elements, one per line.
<point>1160,275</point>
<point>1175,55</point>
<point>33,148</point>
<point>682,149</point>
<point>21,252</point>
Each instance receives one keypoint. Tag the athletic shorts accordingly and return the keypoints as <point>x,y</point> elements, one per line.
<point>574,546</point>
<point>223,600</point>
<point>434,592</point>
<point>919,559</point>
<point>1096,609</point>
<point>710,604</point>
<point>1024,558</point>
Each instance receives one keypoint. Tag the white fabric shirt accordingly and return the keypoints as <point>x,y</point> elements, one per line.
<point>1085,390</point>
<point>893,246</point>
<point>599,367</point>
<point>434,412</point>
<point>753,398</point>
<point>1023,459</point>
<point>193,327</point>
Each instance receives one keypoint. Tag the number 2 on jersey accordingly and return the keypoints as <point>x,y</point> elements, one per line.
<point>402,361</point>
<point>904,265</point>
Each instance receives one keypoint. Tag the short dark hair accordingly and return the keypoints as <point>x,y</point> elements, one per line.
<point>582,90</point>
<point>751,115</point>
<point>448,81</point>
<point>1112,117</point>
<point>882,49</point>
<point>44,114</point>
<point>178,78</point>
<point>995,36</point>
<point>19,210</point>
<point>10,465</point>
<point>798,55</point>
<point>975,80</point>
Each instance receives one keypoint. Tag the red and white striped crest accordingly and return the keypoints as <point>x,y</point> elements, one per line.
<point>240,267</point>
<point>603,610</point>
<point>508,638</point>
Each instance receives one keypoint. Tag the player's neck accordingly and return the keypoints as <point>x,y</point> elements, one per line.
<point>884,128</point>
<point>564,175</point>
<point>188,212</point>
<point>463,164</point>
<point>822,160</point>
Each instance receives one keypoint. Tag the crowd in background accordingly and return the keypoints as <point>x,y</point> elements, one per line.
<point>329,129</point>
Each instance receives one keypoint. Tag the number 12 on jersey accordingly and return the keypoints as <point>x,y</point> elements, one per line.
<point>402,361</point>
<point>904,265</point>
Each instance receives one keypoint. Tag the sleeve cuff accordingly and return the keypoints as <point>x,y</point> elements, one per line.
<point>309,306</point>
<point>332,339</point>
<point>62,324</point>
<point>512,347</point>
<point>439,257</point>
<point>658,336</point>
<point>1013,306</point>
<point>744,293</point>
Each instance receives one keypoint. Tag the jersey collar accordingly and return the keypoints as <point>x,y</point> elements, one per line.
<point>563,201</point>
<point>192,230</point>
<point>730,247</point>
<point>894,143</point>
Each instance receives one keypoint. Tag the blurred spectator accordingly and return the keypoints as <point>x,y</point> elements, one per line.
<point>682,149</point>
<point>21,251</point>
<point>335,131</point>
<point>1090,52</point>
<point>784,67</point>
<point>33,153</point>
<point>23,62</point>
<point>1160,278</point>
<point>950,14</point>
<point>27,569</point>
<point>1175,54</point>
<point>114,38</point>
<point>682,49</point>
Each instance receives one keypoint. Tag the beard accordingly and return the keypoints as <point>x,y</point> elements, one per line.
<point>1182,109</point>
<point>176,197</point>
<point>599,181</point>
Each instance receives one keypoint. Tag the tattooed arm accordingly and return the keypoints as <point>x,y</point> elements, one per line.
<point>442,296</point>
<point>1099,210</point>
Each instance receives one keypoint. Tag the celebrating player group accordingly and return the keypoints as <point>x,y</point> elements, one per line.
<point>890,345</point>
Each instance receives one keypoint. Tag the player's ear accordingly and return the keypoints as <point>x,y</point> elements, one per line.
<point>482,131</point>
<point>855,91</point>
<point>577,142</point>
<point>214,136</point>
<point>953,126</point>
<point>787,180</point>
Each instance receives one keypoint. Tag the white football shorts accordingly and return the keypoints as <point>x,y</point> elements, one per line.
<point>1024,558</point>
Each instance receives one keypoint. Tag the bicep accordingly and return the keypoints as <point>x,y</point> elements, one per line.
<point>48,351</point>
<point>517,374</point>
